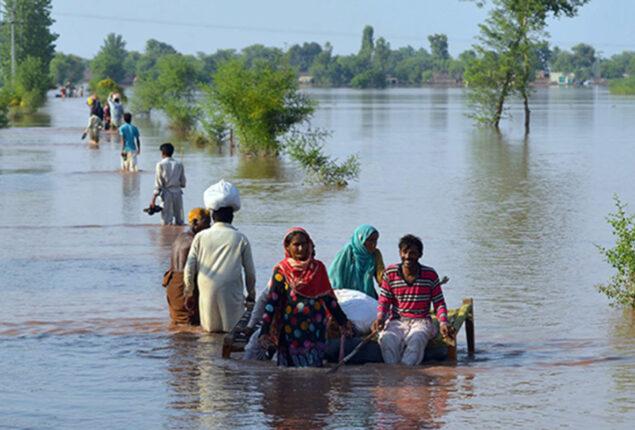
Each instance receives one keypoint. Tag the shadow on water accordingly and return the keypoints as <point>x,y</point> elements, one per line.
<point>38,119</point>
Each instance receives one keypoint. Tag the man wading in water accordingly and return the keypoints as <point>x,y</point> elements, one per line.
<point>182,310</point>
<point>169,178</point>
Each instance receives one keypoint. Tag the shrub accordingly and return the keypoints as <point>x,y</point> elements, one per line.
<point>107,86</point>
<point>261,101</point>
<point>621,287</point>
<point>307,149</point>
<point>623,87</point>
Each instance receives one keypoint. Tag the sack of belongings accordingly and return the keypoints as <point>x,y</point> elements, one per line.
<point>360,308</point>
<point>222,194</point>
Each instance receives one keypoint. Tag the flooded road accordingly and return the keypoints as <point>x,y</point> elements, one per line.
<point>84,329</point>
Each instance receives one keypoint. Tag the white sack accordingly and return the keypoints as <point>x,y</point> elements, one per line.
<point>360,308</point>
<point>221,194</point>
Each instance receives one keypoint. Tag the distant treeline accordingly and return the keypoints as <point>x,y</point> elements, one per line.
<point>375,65</point>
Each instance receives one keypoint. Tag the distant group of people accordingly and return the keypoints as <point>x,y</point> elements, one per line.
<point>169,172</point>
<point>205,286</point>
<point>70,90</point>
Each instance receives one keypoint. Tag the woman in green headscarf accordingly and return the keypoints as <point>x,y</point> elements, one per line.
<point>359,263</point>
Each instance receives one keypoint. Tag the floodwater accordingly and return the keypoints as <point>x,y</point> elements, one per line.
<point>85,340</point>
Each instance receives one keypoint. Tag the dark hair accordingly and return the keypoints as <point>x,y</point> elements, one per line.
<point>167,149</point>
<point>127,117</point>
<point>224,214</point>
<point>411,241</point>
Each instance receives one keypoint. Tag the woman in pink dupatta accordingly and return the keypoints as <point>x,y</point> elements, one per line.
<point>299,301</point>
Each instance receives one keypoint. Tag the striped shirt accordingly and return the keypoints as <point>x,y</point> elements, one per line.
<point>398,299</point>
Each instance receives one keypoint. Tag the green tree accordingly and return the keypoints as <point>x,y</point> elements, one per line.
<point>583,61</point>
<point>33,37</point>
<point>67,68</point>
<point>439,47</point>
<point>368,45</point>
<point>302,56</point>
<point>507,55</point>
<point>109,61</point>
<point>171,89</point>
<point>262,102</point>
<point>154,50</point>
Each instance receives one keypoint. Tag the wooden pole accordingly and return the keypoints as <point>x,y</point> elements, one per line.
<point>469,328</point>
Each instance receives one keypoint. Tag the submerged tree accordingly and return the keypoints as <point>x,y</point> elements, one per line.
<point>170,87</point>
<point>621,287</point>
<point>262,101</point>
<point>507,55</point>
<point>267,110</point>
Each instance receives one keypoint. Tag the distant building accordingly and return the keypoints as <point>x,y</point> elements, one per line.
<point>305,80</point>
<point>392,80</point>
<point>559,78</point>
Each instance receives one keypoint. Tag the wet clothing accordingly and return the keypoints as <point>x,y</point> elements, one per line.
<point>302,322</point>
<point>407,308</point>
<point>116,113</point>
<point>93,127</point>
<point>130,134</point>
<point>217,258</point>
<point>299,299</point>
<point>355,267</point>
<point>404,340</point>
<point>169,178</point>
<point>399,299</point>
<point>129,161</point>
<point>182,310</point>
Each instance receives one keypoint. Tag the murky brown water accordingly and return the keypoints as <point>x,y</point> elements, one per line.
<point>84,336</point>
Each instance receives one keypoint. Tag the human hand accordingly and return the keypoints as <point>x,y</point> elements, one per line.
<point>446,330</point>
<point>378,325</point>
<point>347,329</point>
<point>265,342</point>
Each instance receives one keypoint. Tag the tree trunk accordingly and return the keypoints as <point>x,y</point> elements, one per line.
<point>501,101</point>
<point>527,112</point>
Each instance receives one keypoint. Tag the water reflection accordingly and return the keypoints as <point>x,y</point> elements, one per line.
<point>259,168</point>
<point>37,119</point>
<point>438,107</point>
<point>623,342</point>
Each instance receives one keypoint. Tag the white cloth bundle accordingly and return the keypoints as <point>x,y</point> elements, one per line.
<point>222,194</point>
<point>360,308</point>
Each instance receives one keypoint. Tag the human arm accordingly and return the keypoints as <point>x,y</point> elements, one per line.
<point>250,271</point>
<point>138,139</point>
<point>274,300</point>
<point>259,309</point>
<point>158,183</point>
<point>191,268</point>
<point>440,308</point>
<point>385,303</point>
<point>182,180</point>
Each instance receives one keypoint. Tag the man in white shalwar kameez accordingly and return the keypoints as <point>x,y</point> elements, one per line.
<point>215,265</point>
<point>169,178</point>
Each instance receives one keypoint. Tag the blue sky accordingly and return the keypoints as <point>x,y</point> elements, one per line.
<point>207,25</point>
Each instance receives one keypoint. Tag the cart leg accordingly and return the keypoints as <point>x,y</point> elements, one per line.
<point>227,346</point>
<point>469,328</point>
